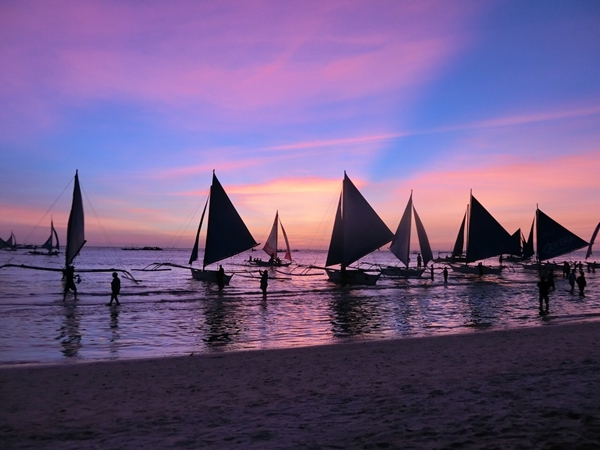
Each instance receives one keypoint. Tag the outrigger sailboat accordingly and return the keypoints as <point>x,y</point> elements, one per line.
<point>52,244</point>
<point>226,234</point>
<point>400,246</point>
<point>485,238</point>
<point>75,238</point>
<point>270,247</point>
<point>552,240</point>
<point>10,244</point>
<point>357,231</point>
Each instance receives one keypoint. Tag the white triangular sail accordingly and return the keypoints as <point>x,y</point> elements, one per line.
<point>270,247</point>
<point>288,252</point>
<point>76,226</point>
<point>357,230</point>
<point>426,252</point>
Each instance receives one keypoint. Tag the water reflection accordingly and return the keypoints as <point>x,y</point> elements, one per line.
<point>70,337</point>
<point>222,325</point>
<point>115,334</point>
<point>353,314</point>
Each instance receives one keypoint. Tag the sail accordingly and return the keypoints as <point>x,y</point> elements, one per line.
<point>426,252</point>
<point>227,234</point>
<point>553,239</point>
<point>460,239</point>
<point>75,227</point>
<point>528,250</point>
<point>270,247</point>
<point>12,240</point>
<point>357,230</point>
<point>49,244</point>
<point>288,252</point>
<point>194,255</point>
<point>486,237</point>
<point>3,243</point>
<point>589,250</point>
<point>401,242</point>
<point>515,247</point>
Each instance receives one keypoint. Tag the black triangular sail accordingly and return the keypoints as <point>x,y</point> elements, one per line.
<point>227,234</point>
<point>357,230</point>
<point>460,239</point>
<point>426,252</point>
<point>553,239</point>
<point>76,226</point>
<point>528,249</point>
<point>486,237</point>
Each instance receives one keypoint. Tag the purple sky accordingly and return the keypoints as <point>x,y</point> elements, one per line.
<point>145,99</point>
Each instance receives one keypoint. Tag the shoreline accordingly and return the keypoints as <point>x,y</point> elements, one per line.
<point>526,387</point>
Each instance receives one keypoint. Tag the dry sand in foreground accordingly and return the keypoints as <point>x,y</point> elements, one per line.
<point>527,388</point>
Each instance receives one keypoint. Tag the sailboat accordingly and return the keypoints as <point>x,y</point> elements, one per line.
<point>51,245</point>
<point>10,244</point>
<point>357,231</point>
<point>75,238</point>
<point>552,240</point>
<point>400,246</point>
<point>226,234</point>
<point>270,247</point>
<point>485,238</point>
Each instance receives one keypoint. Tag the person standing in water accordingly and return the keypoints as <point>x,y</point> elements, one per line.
<point>581,283</point>
<point>264,281</point>
<point>115,289</point>
<point>544,289</point>
<point>221,277</point>
<point>69,277</point>
<point>572,277</point>
<point>445,272</point>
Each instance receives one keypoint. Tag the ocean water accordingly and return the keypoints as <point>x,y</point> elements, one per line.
<point>168,313</point>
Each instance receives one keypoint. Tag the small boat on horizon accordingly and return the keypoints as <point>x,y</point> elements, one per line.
<point>51,245</point>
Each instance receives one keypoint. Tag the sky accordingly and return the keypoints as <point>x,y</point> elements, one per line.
<point>146,98</point>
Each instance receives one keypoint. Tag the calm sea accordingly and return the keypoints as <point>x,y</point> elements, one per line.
<point>168,313</point>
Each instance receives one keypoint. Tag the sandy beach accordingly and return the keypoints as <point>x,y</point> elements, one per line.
<point>524,388</point>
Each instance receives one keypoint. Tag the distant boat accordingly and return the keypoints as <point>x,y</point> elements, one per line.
<point>142,248</point>
<point>400,246</point>
<point>552,240</point>
<point>10,244</point>
<point>485,238</point>
<point>51,245</point>
<point>226,234</point>
<point>270,247</point>
<point>357,231</point>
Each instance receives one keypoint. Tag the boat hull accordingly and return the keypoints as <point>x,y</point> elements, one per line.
<point>402,272</point>
<point>352,277</point>
<point>209,276</point>
<point>269,264</point>
<point>477,270</point>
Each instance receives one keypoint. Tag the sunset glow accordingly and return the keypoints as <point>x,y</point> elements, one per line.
<point>146,99</point>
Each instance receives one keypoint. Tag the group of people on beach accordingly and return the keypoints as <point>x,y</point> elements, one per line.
<point>546,284</point>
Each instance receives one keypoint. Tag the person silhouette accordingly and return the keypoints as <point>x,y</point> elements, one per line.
<point>581,283</point>
<point>544,289</point>
<point>445,272</point>
<point>419,260</point>
<point>221,277</point>
<point>115,289</point>
<point>69,277</point>
<point>264,281</point>
<point>572,277</point>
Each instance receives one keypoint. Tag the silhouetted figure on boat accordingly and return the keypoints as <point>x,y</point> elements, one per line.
<point>221,277</point>
<point>445,273</point>
<point>69,277</point>
<point>544,289</point>
<point>115,289</point>
<point>264,281</point>
<point>581,283</point>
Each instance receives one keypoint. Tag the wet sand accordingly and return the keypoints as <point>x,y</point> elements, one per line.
<point>525,388</point>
